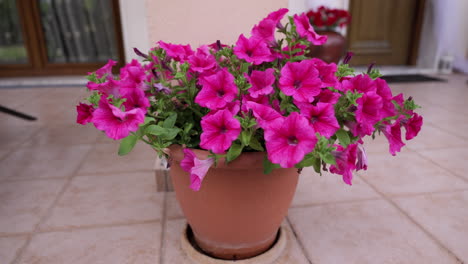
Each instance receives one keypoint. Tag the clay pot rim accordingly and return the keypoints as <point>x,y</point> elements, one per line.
<point>246,161</point>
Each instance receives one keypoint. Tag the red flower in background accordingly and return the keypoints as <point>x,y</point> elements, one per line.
<point>329,18</point>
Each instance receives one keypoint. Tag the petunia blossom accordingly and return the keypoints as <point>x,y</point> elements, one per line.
<point>135,99</point>
<point>321,117</point>
<point>217,90</point>
<point>219,130</point>
<point>288,143</point>
<point>265,30</point>
<point>106,70</point>
<point>133,72</point>
<point>262,82</point>
<point>253,50</point>
<point>116,123</point>
<point>326,72</point>
<point>197,168</point>
<point>361,156</point>
<point>368,111</point>
<point>393,135</point>
<point>360,83</point>
<point>110,87</point>
<point>345,162</point>
<point>202,60</point>
<point>265,115</point>
<point>300,80</point>
<point>178,52</point>
<point>305,29</point>
<point>85,113</point>
<point>413,126</point>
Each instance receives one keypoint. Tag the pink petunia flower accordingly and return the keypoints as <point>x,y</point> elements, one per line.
<point>110,87</point>
<point>133,72</point>
<point>219,130</point>
<point>361,155</point>
<point>413,126</point>
<point>321,117</point>
<point>116,123</point>
<point>327,96</point>
<point>277,15</point>
<point>289,50</point>
<point>326,72</point>
<point>85,113</point>
<point>368,111</point>
<point>305,29</point>
<point>265,115</point>
<point>253,50</point>
<point>135,98</point>
<point>196,167</point>
<point>345,162</point>
<point>288,143</point>
<point>393,135</point>
<point>262,82</point>
<point>202,60</point>
<point>300,80</point>
<point>106,70</point>
<point>178,52</point>
<point>360,83</point>
<point>265,30</point>
<point>217,90</point>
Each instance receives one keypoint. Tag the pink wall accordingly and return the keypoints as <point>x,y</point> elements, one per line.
<point>198,22</point>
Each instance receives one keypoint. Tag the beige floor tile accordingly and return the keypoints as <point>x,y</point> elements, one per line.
<point>64,135</point>
<point>23,203</point>
<point>104,158</point>
<point>121,244</point>
<point>453,159</point>
<point>408,173</point>
<point>444,215</point>
<point>99,200</point>
<point>173,252</point>
<point>14,98</point>
<point>15,132</point>
<point>51,161</point>
<point>328,188</point>
<point>431,137</point>
<point>363,232</point>
<point>377,145</point>
<point>9,247</point>
<point>173,210</point>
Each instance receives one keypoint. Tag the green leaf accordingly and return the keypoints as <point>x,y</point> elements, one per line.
<point>148,119</point>
<point>171,133</point>
<point>94,98</point>
<point>328,158</point>
<point>127,144</point>
<point>170,121</point>
<point>245,137</point>
<point>307,161</point>
<point>155,130</point>
<point>268,167</point>
<point>375,73</point>
<point>234,151</point>
<point>343,137</point>
<point>344,70</point>
<point>255,144</point>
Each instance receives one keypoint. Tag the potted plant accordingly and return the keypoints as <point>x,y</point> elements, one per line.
<point>326,21</point>
<point>237,124</point>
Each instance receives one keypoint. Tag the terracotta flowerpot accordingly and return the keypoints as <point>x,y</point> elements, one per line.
<point>332,50</point>
<point>238,210</point>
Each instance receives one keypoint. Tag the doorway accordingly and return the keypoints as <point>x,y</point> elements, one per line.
<point>58,37</point>
<point>385,31</point>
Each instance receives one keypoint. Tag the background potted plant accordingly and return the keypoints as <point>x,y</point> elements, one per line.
<point>237,124</point>
<point>327,21</point>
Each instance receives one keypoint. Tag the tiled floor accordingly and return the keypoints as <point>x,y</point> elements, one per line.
<point>66,197</point>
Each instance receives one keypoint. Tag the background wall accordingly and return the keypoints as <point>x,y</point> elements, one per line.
<point>205,21</point>
<point>134,26</point>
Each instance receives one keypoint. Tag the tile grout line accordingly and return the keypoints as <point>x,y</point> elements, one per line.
<point>404,213</point>
<point>49,210</point>
<point>96,226</point>
<point>335,202</point>
<point>20,145</point>
<point>294,233</point>
<point>443,168</point>
<point>163,229</point>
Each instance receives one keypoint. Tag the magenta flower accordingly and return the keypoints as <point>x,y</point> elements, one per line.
<point>393,135</point>
<point>265,30</point>
<point>116,123</point>
<point>265,115</point>
<point>305,30</point>
<point>196,167</point>
<point>288,143</point>
<point>413,126</point>
<point>345,162</point>
<point>360,83</point>
<point>106,70</point>
<point>178,52</point>
<point>326,72</point>
<point>262,82</point>
<point>277,15</point>
<point>135,98</point>
<point>219,130</point>
<point>300,80</point>
<point>327,96</point>
<point>217,90</point>
<point>361,155</point>
<point>133,72</point>
<point>289,50</point>
<point>368,111</point>
<point>321,117</point>
<point>110,87</point>
<point>85,113</point>
<point>202,60</point>
<point>253,50</point>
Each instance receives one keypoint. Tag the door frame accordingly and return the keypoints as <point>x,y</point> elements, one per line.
<point>35,44</point>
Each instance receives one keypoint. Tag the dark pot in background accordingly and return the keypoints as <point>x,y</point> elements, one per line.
<point>332,50</point>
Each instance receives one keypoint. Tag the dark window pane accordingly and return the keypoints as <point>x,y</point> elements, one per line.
<point>12,50</point>
<point>78,31</point>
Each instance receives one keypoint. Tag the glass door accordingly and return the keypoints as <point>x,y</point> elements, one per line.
<point>56,37</point>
